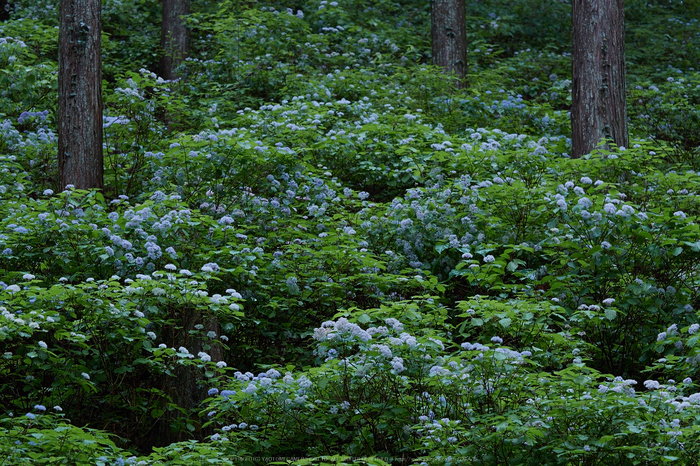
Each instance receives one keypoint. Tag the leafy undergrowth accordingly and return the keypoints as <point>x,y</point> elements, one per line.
<point>313,250</point>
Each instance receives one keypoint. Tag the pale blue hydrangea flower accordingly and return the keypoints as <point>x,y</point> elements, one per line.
<point>652,385</point>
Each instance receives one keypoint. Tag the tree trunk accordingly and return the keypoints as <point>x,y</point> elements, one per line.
<point>449,36</point>
<point>80,160</point>
<point>183,386</point>
<point>4,10</point>
<point>175,37</point>
<point>598,106</point>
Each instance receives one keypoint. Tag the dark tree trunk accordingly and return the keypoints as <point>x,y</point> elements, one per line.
<point>4,10</point>
<point>80,160</point>
<point>449,36</point>
<point>598,106</point>
<point>183,385</point>
<point>175,37</point>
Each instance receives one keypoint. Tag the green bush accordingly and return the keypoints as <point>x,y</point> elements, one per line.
<point>313,249</point>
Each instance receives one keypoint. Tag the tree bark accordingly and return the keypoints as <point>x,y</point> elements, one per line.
<point>449,37</point>
<point>175,37</point>
<point>80,161</point>
<point>4,10</point>
<point>598,106</point>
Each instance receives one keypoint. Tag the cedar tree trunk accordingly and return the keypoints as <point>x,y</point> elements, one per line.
<point>183,385</point>
<point>598,106</point>
<point>80,160</point>
<point>4,10</point>
<point>449,36</point>
<point>174,36</point>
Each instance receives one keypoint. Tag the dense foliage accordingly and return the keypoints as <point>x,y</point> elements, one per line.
<point>313,249</point>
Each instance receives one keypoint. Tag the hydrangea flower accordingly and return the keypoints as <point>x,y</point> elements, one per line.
<point>227,393</point>
<point>652,385</point>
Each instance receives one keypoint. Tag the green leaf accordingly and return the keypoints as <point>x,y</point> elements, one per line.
<point>581,380</point>
<point>501,425</point>
<point>610,314</point>
<point>695,247</point>
<point>441,247</point>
